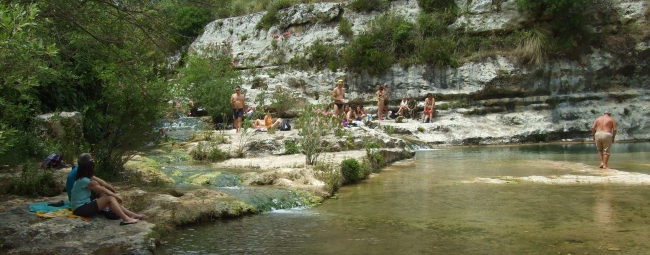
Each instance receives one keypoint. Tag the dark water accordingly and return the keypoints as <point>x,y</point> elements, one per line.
<point>431,205</point>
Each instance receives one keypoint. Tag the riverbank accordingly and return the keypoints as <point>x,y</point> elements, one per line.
<point>172,197</point>
<point>169,202</point>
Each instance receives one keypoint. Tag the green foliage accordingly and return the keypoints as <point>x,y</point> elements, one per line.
<point>390,37</point>
<point>128,129</point>
<point>34,182</point>
<point>291,147</point>
<point>217,155</point>
<point>272,16</point>
<point>345,28</point>
<point>209,80</point>
<point>369,5</point>
<point>437,51</point>
<point>313,124</point>
<point>318,56</point>
<point>283,99</point>
<point>421,129</point>
<point>389,129</point>
<point>437,5</point>
<point>567,18</point>
<point>18,146</point>
<point>188,21</point>
<point>330,176</point>
<point>24,64</point>
<point>351,170</point>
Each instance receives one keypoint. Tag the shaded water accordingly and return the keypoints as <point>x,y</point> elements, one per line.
<point>426,206</point>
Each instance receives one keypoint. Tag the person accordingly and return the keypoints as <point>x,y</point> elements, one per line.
<point>83,206</point>
<point>411,104</point>
<point>380,102</point>
<point>429,107</point>
<point>238,102</point>
<point>387,95</point>
<point>259,125</point>
<point>250,111</point>
<point>268,121</point>
<point>351,114</point>
<point>361,113</point>
<point>603,133</point>
<point>338,94</point>
<point>72,177</point>
<point>403,106</point>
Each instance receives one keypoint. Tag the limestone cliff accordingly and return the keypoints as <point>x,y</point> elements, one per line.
<point>490,100</point>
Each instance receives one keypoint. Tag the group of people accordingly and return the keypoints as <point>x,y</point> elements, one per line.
<point>603,129</point>
<point>383,94</point>
<point>89,195</point>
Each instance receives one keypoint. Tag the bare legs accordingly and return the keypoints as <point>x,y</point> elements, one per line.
<point>380,110</point>
<point>111,202</point>
<point>604,158</point>
<point>238,124</point>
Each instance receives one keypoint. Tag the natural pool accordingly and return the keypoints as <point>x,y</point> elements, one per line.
<point>434,205</point>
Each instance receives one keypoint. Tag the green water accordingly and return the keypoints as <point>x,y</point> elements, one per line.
<point>430,205</point>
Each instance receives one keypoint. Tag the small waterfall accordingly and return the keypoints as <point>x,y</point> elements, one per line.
<point>266,199</point>
<point>181,129</point>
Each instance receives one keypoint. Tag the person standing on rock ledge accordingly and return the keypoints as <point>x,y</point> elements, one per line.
<point>338,94</point>
<point>238,102</point>
<point>603,133</point>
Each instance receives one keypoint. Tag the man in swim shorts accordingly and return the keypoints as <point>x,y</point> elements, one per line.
<point>603,132</point>
<point>338,94</point>
<point>238,101</point>
<point>429,108</point>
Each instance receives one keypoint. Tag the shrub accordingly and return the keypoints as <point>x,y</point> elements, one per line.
<point>331,177</point>
<point>531,45</point>
<point>318,56</point>
<point>209,79</point>
<point>351,170</point>
<point>369,5</point>
<point>314,123</point>
<point>291,147</point>
<point>282,99</point>
<point>17,146</point>
<point>34,182</point>
<point>272,16</point>
<point>216,154</point>
<point>436,51</point>
<point>189,21</point>
<point>390,37</point>
<point>437,5</point>
<point>421,129</point>
<point>345,28</point>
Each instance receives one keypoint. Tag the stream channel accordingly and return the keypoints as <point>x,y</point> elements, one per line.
<point>470,200</point>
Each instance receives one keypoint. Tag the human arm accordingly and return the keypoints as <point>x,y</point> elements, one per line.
<point>593,130</point>
<point>103,183</point>
<point>614,131</point>
<point>99,189</point>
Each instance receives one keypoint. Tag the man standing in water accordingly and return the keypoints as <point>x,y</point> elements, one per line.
<point>238,102</point>
<point>338,94</point>
<point>603,132</point>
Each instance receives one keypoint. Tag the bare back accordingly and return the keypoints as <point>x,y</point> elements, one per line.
<point>605,123</point>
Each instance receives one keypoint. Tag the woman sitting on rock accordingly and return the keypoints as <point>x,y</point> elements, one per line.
<point>80,197</point>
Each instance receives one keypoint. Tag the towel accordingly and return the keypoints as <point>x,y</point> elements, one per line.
<point>61,213</point>
<point>43,207</point>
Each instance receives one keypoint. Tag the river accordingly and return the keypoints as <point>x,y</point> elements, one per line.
<point>469,200</point>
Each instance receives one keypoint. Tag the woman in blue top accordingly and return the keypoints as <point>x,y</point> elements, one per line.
<point>80,197</point>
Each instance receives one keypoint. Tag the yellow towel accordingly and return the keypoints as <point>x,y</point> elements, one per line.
<point>63,213</point>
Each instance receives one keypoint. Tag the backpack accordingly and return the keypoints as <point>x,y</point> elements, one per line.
<point>285,126</point>
<point>54,160</point>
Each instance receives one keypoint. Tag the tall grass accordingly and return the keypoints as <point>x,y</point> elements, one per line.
<point>531,47</point>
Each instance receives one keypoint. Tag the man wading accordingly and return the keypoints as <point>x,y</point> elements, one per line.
<point>603,132</point>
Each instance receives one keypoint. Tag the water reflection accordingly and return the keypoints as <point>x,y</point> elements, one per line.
<point>426,206</point>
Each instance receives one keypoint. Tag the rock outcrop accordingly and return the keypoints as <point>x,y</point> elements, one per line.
<point>556,100</point>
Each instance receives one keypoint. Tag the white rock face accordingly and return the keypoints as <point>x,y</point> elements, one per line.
<point>559,96</point>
